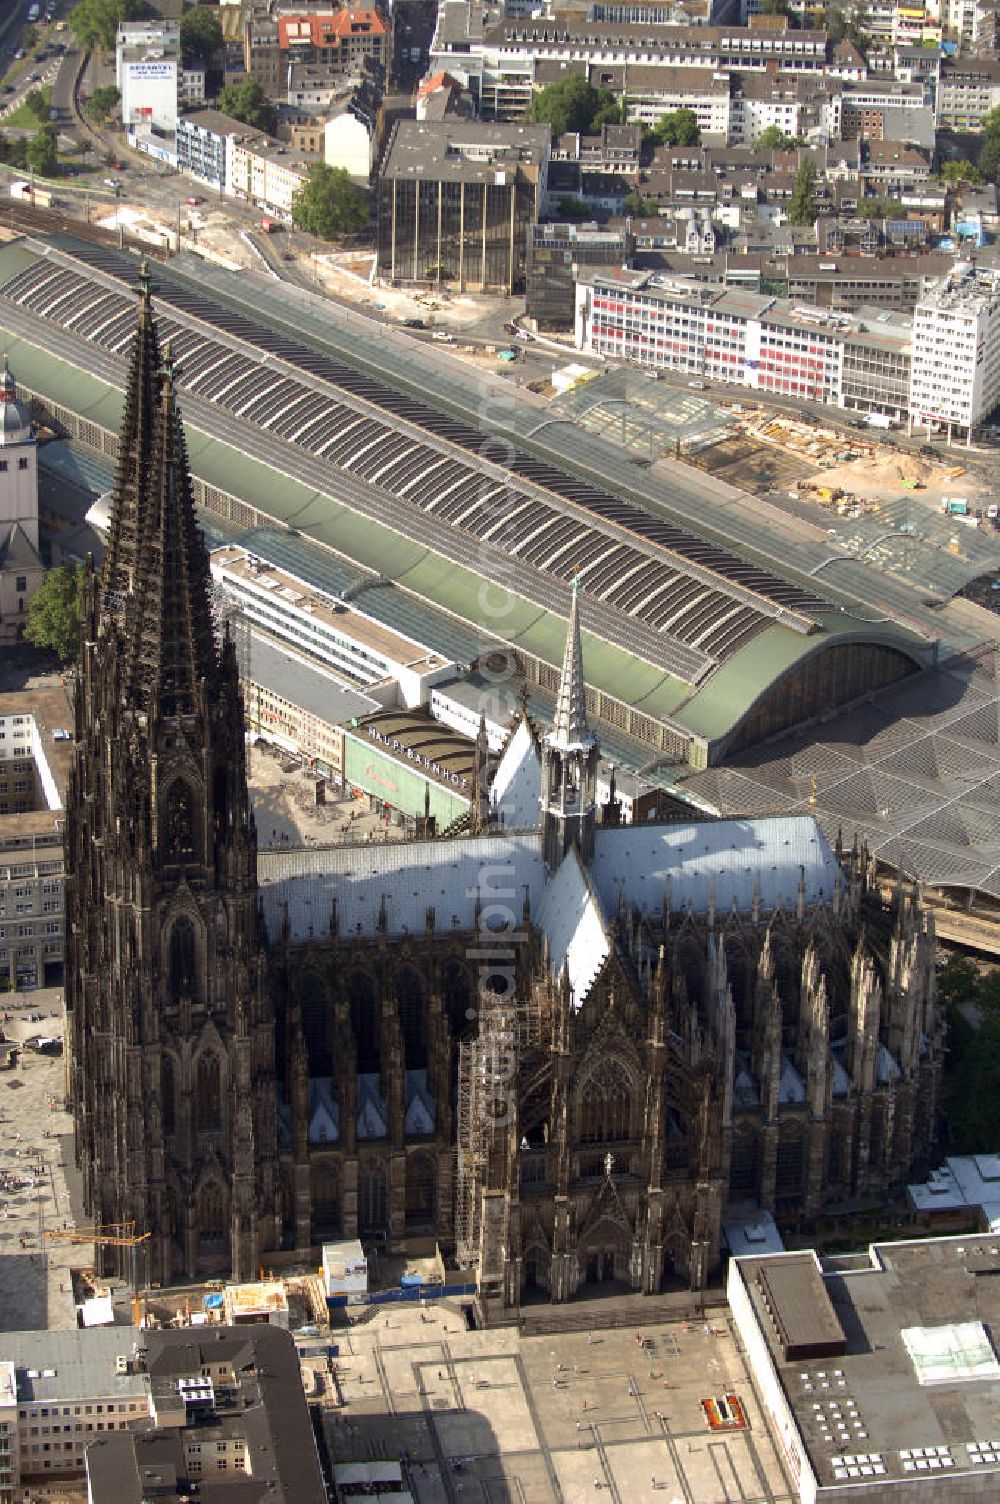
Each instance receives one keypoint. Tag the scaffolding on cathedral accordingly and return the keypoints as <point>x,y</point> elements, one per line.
<point>488,1066</point>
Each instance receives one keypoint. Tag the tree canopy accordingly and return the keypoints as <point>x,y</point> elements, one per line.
<point>643,207</point>
<point>572,208</point>
<point>37,101</point>
<point>102,104</point>
<point>842,27</point>
<point>14,151</point>
<point>247,101</point>
<point>573,104</point>
<point>329,204</point>
<point>962,171</point>
<point>41,153</point>
<point>972,1068</point>
<point>95,23</point>
<point>677,128</point>
<point>989,153</point>
<point>773,138</point>
<point>201,35</point>
<point>53,619</point>
<point>802,204</point>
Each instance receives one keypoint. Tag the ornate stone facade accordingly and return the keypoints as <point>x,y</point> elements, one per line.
<point>564,1051</point>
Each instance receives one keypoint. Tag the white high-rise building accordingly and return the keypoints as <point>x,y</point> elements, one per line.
<point>955,366</point>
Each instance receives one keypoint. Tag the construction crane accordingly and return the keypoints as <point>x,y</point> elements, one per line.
<point>113,1235</point>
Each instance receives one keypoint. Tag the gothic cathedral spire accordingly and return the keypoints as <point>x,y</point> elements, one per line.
<point>134,447</point>
<point>168,623</point>
<point>171,1037</point>
<point>569,759</point>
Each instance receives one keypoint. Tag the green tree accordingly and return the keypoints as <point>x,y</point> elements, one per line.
<point>573,104</point>
<point>989,158</point>
<point>102,104</point>
<point>677,128</point>
<point>610,111</point>
<point>961,171</point>
<point>958,979</point>
<point>329,204</point>
<point>247,101</point>
<point>802,204</point>
<point>14,151</point>
<point>42,156</point>
<point>842,27</point>
<point>642,207</point>
<point>774,139</point>
<point>572,208</point>
<point>53,619</point>
<point>95,23</point>
<point>970,1099</point>
<point>201,35</point>
<point>989,153</point>
<point>29,38</point>
<point>37,101</point>
<point>776,8</point>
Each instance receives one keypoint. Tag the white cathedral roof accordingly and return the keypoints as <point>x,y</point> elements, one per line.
<point>727,858</point>
<point>724,857</point>
<point>569,913</point>
<point>517,781</point>
<point>411,876</point>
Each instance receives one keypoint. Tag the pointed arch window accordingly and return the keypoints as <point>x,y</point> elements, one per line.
<point>167,1094</point>
<point>372,1202</point>
<point>179,820</point>
<point>606,1104</point>
<point>325,1200</point>
<point>315,1005</point>
<point>364,1021</point>
<point>421,1189</point>
<point>183,960</point>
<point>208,1091</point>
<point>457,996</point>
<point>412,1021</point>
<point>211,1220</point>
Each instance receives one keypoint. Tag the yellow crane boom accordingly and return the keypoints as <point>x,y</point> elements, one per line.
<point>93,1235</point>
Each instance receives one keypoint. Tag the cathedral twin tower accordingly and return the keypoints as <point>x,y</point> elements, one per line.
<point>172,1055</point>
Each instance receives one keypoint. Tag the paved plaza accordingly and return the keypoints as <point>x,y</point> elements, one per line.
<point>36,1148</point>
<point>505,1419</point>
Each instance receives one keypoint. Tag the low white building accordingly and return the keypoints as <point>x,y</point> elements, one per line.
<point>362,651</point>
<point>35,757</point>
<point>345,1269</point>
<point>955,369</point>
<point>349,141</point>
<point>263,172</point>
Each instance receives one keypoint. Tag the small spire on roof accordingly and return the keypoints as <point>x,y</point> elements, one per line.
<point>570,727</point>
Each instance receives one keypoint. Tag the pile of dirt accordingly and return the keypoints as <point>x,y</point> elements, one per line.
<point>881,472</point>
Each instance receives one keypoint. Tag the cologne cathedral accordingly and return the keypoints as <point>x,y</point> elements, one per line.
<point>562,1046</point>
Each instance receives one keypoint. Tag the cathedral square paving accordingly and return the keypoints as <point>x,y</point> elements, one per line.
<point>36,1149</point>
<point>508,1419</point>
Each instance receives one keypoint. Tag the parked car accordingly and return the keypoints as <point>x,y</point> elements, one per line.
<point>193,198</point>
<point>414,324</point>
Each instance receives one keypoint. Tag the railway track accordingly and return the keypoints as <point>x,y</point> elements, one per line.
<point>34,220</point>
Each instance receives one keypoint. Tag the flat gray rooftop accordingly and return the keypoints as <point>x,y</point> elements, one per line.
<point>868,1401</point>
